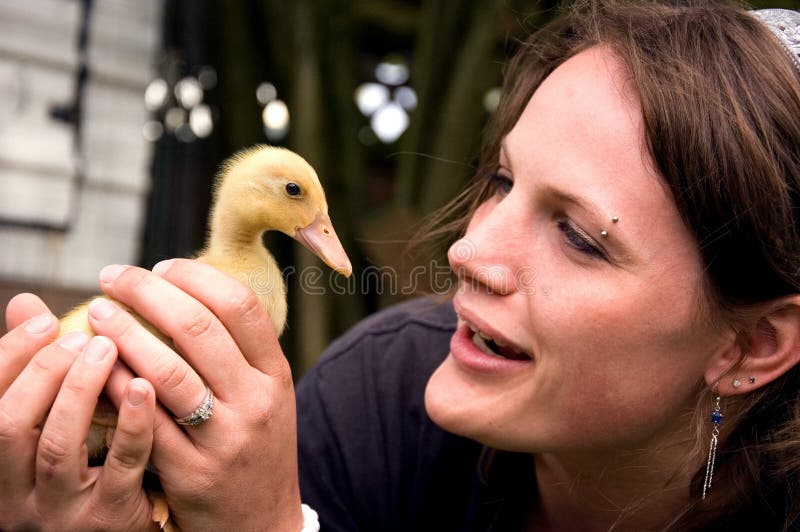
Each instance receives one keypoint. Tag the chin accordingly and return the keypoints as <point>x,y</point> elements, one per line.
<point>459,405</point>
<point>461,408</point>
<point>444,400</point>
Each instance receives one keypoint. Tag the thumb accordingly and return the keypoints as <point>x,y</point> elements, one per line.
<point>22,307</point>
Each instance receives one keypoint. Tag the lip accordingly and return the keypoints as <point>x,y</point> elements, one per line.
<point>469,356</point>
<point>486,328</point>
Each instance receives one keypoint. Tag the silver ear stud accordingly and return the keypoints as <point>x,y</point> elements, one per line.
<point>603,233</point>
<point>614,219</point>
<point>752,380</point>
<point>736,383</point>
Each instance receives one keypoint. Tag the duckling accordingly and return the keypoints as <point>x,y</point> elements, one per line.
<point>259,189</point>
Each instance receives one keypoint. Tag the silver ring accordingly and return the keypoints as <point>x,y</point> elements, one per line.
<point>201,414</point>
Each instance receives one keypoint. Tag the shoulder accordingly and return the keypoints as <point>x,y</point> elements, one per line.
<point>366,446</point>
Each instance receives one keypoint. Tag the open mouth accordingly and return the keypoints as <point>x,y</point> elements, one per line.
<point>491,347</point>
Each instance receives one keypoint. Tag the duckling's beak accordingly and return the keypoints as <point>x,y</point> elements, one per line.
<point>321,239</point>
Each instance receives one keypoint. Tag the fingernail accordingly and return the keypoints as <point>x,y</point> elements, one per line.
<point>101,309</point>
<point>39,324</point>
<point>74,340</point>
<point>137,394</point>
<point>162,267</point>
<point>97,349</point>
<point>111,272</point>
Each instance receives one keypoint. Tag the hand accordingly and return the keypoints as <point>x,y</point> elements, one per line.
<point>45,481</point>
<point>238,469</point>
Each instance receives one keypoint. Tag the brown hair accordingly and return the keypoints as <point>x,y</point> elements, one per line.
<point>720,99</point>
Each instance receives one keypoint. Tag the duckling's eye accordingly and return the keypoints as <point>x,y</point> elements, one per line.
<point>293,189</point>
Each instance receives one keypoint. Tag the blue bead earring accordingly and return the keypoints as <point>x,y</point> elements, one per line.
<point>716,419</point>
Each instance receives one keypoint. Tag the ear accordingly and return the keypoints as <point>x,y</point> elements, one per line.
<point>771,348</point>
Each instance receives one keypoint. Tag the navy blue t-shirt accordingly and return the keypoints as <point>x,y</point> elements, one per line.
<point>370,457</point>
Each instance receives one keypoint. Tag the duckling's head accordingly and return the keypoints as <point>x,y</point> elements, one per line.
<point>269,188</point>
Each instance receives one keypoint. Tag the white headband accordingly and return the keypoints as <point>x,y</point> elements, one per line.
<point>785,25</point>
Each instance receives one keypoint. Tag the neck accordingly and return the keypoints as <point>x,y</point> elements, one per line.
<point>633,490</point>
<point>230,235</point>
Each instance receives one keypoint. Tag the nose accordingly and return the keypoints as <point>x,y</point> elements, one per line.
<point>487,256</point>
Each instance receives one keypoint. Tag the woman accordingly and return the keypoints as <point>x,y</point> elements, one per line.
<point>625,352</point>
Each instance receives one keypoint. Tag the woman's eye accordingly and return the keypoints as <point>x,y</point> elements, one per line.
<point>578,241</point>
<point>500,184</point>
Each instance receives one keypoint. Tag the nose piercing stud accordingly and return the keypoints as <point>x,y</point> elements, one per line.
<point>752,380</point>
<point>603,233</point>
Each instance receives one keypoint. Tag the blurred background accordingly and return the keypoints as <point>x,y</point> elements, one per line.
<point>115,114</point>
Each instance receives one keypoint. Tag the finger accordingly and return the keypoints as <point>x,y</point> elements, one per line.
<point>236,305</point>
<point>168,438</point>
<point>178,386</point>
<point>61,466</point>
<point>18,346</point>
<point>30,396</point>
<point>22,307</point>
<point>196,332</point>
<point>121,478</point>
<point>28,400</point>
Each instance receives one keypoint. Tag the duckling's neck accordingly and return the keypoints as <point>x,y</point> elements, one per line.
<point>230,234</point>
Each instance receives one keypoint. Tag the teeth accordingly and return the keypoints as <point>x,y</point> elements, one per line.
<point>479,341</point>
<point>480,338</point>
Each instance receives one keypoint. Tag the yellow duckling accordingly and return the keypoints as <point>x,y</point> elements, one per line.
<point>259,189</point>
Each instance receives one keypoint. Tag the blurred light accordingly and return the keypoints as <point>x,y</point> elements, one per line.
<point>276,120</point>
<point>391,73</point>
<point>152,131</point>
<point>276,115</point>
<point>200,121</point>
<point>491,99</point>
<point>155,95</point>
<point>174,118</point>
<point>184,133</point>
<point>189,92</point>
<point>266,92</point>
<point>406,97</point>
<point>207,78</point>
<point>389,122</point>
<point>370,97</point>
<point>367,136</point>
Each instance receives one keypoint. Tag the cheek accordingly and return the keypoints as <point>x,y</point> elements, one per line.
<point>623,364</point>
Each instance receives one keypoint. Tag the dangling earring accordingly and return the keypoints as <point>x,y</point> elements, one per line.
<point>716,419</point>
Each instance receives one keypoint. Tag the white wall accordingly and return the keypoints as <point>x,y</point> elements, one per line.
<point>38,58</point>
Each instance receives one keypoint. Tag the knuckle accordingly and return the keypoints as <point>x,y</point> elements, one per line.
<point>123,460</point>
<point>41,364</point>
<point>135,279</point>
<point>52,453</point>
<point>51,360</point>
<point>172,375</point>
<point>283,374</point>
<point>75,388</point>
<point>198,324</point>
<point>264,411</point>
<point>246,305</point>
<point>122,325</point>
<point>9,429</point>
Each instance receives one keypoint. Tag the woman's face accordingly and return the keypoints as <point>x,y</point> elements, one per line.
<point>613,344</point>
